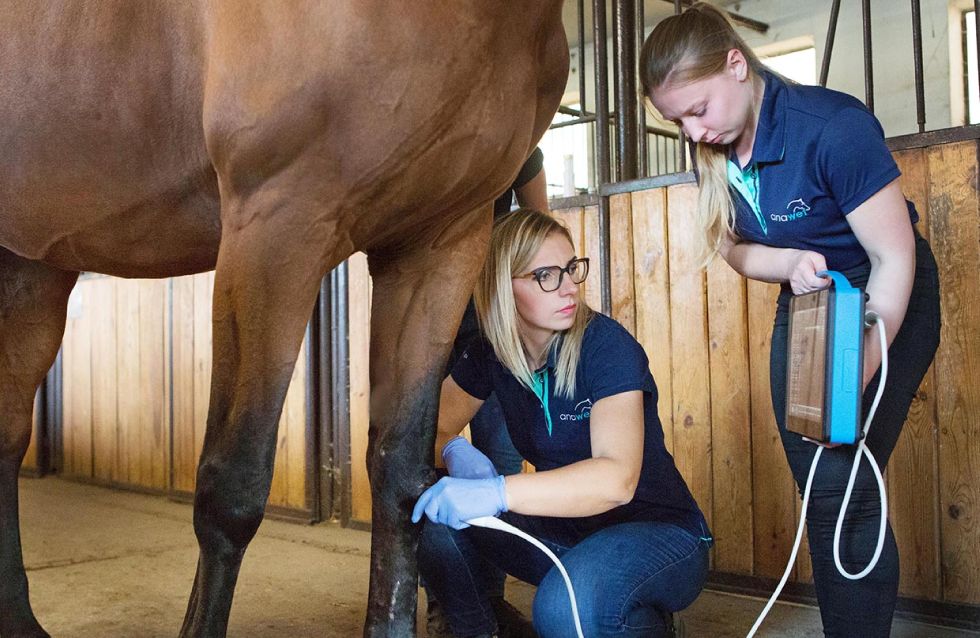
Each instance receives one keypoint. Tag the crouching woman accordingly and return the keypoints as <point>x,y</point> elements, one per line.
<point>580,405</point>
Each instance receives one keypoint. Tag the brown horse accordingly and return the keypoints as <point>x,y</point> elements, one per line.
<point>268,141</point>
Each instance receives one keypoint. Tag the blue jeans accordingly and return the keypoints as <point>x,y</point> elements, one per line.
<point>626,576</point>
<point>862,608</point>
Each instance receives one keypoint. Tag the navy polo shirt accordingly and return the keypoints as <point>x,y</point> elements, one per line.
<point>818,154</point>
<point>611,362</point>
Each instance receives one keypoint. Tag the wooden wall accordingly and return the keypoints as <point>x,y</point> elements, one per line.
<point>707,336</point>
<point>137,366</point>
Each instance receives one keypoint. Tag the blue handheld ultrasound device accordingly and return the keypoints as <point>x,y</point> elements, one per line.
<point>825,362</point>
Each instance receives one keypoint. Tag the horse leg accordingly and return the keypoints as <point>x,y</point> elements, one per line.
<point>418,301</point>
<point>266,281</point>
<point>33,298</point>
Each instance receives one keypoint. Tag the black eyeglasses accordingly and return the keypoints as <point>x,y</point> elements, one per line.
<point>549,277</point>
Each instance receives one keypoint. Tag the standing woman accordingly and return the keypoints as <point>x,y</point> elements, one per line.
<point>581,405</point>
<point>795,180</point>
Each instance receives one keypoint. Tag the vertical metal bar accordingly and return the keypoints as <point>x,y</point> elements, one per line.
<point>323,505</point>
<point>581,56</point>
<point>338,468</point>
<point>643,139</point>
<point>828,47</point>
<point>625,77</point>
<point>869,83</point>
<point>602,143</point>
<point>681,155</point>
<point>920,101</point>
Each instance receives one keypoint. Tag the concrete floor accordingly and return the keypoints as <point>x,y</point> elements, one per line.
<point>110,563</point>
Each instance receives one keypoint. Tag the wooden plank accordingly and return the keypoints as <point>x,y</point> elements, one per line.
<point>913,480</point>
<point>621,261</point>
<point>954,220</point>
<point>593,285</point>
<point>153,417</point>
<point>30,456</point>
<point>203,291</point>
<point>689,351</point>
<point>296,409</point>
<point>650,269</point>
<point>774,493</point>
<point>289,479</point>
<point>359,322</point>
<point>573,218</point>
<point>182,344</point>
<point>731,419</point>
<point>104,392</point>
<point>77,384</point>
<point>129,401</point>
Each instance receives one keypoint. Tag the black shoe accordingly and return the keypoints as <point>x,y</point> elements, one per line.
<point>511,623</point>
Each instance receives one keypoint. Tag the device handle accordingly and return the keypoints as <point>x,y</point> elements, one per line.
<point>840,281</point>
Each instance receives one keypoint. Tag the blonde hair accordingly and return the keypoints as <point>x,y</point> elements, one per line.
<point>515,240</point>
<point>686,48</point>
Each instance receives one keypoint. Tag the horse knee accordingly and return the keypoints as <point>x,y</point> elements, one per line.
<point>227,510</point>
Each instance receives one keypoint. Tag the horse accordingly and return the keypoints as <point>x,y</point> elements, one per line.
<point>267,141</point>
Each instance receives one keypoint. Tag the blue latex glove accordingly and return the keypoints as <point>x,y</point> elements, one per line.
<point>453,501</point>
<point>465,461</point>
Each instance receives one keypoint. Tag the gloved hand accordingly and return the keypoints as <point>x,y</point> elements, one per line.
<point>453,501</point>
<point>465,461</point>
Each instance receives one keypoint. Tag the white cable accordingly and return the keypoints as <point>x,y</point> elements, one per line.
<point>492,522</point>
<point>861,449</point>
<point>796,546</point>
<point>874,467</point>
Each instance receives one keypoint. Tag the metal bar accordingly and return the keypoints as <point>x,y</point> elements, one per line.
<point>581,120</point>
<point>626,122</point>
<point>581,55</point>
<point>646,183</point>
<point>575,201</point>
<point>869,83</point>
<point>828,47</point>
<point>340,414</point>
<point>602,143</point>
<point>681,157</point>
<point>642,153</point>
<point>920,101</point>
<point>932,138</point>
<point>324,503</point>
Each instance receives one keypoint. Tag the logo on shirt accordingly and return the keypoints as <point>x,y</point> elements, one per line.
<point>796,209</point>
<point>582,411</point>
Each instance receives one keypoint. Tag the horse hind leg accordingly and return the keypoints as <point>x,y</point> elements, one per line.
<point>33,298</point>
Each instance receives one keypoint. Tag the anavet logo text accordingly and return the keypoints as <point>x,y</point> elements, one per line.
<point>797,209</point>
<point>582,411</point>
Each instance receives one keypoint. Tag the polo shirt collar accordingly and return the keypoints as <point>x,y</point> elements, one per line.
<point>552,362</point>
<point>770,132</point>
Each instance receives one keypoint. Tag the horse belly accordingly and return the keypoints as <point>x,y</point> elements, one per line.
<point>104,166</point>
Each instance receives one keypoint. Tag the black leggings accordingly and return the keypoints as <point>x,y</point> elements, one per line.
<point>864,607</point>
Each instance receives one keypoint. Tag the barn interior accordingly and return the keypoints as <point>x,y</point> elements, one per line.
<point>109,476</point>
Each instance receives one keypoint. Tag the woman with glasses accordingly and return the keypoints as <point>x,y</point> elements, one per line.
<point>581,406</point>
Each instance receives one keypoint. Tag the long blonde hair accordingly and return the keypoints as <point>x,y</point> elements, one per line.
<point>515,240</point>
<point>685,48</point>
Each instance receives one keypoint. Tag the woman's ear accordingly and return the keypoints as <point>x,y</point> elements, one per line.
<point>738,65</point>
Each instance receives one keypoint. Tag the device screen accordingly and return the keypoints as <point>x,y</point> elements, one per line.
<point>806,364</point>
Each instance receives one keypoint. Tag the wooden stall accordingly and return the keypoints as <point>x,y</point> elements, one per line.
<point>137,369</point>
<point>707,336</point>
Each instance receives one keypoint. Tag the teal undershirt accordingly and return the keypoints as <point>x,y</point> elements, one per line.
<point>746,182</point>
<point>539,380</point>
